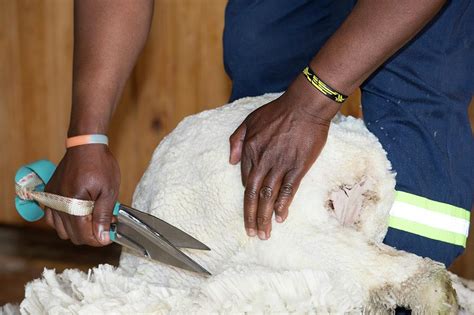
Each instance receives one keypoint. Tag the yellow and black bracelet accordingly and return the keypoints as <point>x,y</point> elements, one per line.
<point>323,87</point>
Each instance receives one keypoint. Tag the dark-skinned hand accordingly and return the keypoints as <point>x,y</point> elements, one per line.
<point>88,172</point>
<point>276,145</point>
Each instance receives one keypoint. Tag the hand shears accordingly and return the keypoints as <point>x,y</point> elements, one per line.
<point>141,232</point>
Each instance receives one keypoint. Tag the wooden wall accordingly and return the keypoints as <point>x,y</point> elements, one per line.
<point>35,86</point>
<point>35,71</point>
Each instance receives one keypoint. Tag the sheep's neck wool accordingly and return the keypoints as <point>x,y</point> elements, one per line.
<point>326,258</point>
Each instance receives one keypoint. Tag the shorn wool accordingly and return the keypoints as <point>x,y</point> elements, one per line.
<point>328,256</point>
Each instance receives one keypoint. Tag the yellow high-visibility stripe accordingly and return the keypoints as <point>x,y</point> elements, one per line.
<point>429,218</point>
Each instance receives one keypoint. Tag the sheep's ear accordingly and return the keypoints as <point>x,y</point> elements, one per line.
<point>345,202</point>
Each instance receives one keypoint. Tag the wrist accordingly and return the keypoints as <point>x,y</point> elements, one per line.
<point>90,112</point>
<point>341,79</point>
<point>83,123</point>
<point>304,96</point>
<point>85,129</point>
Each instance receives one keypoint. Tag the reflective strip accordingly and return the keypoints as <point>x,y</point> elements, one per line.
<point>428,218</point>
<point>432,205</point>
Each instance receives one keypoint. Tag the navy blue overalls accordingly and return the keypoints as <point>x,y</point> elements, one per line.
<point>416,104</point>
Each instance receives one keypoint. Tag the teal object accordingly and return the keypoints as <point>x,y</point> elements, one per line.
<point>113,229</point>
<point>30,209</point>
<point>116,209</point>
<point>113,235</point>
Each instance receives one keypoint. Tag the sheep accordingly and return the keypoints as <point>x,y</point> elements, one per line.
<point>327,257</point>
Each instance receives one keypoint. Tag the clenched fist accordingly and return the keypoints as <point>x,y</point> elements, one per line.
<point>88,172</point>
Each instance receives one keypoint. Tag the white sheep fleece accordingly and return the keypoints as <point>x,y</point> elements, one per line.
<point>310,264</point>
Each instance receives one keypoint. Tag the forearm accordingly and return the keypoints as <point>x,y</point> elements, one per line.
<point>374,31</point>
<point>108,37</point>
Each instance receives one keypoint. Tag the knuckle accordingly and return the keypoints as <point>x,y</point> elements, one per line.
<point>102,217</point>
<point>280,207</point>
<point>286,190</point>
<point>83,237</point>
<point>91,242</point>
<point>77,240</point>
<point>64,217</point>
<point>263,220</point>
<point>77,193</point>
<point>62,235</point>
<point>94,243</point>
<point>233,138</point>
<point>251,148</point>
<point>82,222</point>
<point>251,193</point>
<point>80,234</point>
<point>111,191</point>
<point>250,219</point>
<point>104,185</point>
<point>266,193</point>
<point>49,220</point>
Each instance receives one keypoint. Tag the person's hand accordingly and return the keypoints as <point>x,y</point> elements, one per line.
<point>276,145</point>
<point>88,172</point>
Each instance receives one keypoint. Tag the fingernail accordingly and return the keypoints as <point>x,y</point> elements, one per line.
<point>105,236</point>
<point>251,232</point>
<point>279,219</point>
<point>262,235</point>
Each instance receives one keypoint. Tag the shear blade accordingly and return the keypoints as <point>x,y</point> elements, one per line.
<point>157,247</point>
<point>174,235</point>
<point>126,242</point>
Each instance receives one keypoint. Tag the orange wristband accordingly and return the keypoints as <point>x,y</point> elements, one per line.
<point>86,139</point>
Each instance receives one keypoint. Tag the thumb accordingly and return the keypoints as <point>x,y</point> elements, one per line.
<point>236,143</point>
<point>102,218</point>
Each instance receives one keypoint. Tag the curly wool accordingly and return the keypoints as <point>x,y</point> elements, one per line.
<point>312,262</point>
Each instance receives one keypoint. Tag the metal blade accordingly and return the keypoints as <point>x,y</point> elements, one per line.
<point>176,236</point>
<point>157,247</point>
<point>128,243</point>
